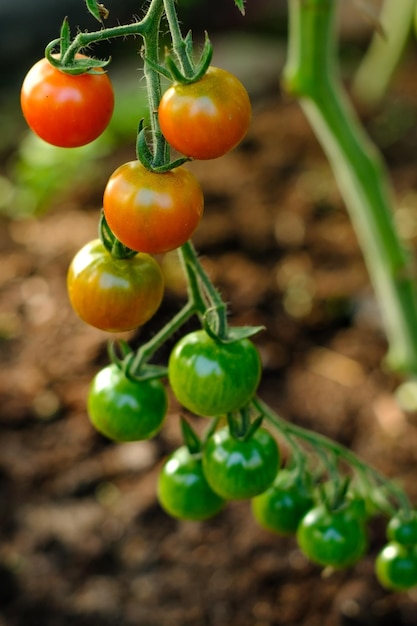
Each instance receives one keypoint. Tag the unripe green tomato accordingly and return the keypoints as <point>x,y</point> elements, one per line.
<point>281,507</point>
<point>211,378</point>
<point>126,410</point>
<point>332,538</point>
<point>402,529</point>
<point>239,469</point>
<point>183,490</point>
<point>396,567</point>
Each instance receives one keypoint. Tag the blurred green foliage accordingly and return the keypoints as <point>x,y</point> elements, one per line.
<point>36,173</point>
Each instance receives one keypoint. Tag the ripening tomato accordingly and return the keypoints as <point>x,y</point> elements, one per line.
<point>211,378</point>
<point>124,409</point>
<point>114,294</point>
<point>152,212</point>
<point>238,469</point>
<point>332,538</point>
<point>396,566</point>
<point>207,118</point>
<point>183,490</point>
<point>66,110</point>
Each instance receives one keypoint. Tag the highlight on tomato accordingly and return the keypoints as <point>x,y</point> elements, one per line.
<point>63,109</point>
<point>396,566</point>
<point>113,294</point>
<point>152,212</point>
<point>238,469</point>
<point>124,409</point>
<point>212,378</point>
<point>183,490</point>
<point>207,118</point>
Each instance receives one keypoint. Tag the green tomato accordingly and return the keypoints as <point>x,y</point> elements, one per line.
<point>126,410</point>
<point>402,528</point>
<point>212,378</point>
<point>183,490</point>
<point>281,507</point>
<point>332,538</point>
<point>239,469</point>
<point>396,566</point>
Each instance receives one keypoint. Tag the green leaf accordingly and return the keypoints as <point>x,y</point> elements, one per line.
<point>235,333</point>
<point>65,37</point>
<point>240,5</point>
<point>94,9</point>
<point>253,427</point>
<point>191,439</point>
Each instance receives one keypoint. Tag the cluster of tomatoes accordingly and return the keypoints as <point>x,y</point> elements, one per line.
<point>151,212</point>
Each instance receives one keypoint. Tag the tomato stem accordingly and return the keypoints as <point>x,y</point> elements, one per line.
<point>202,290</point>
<point>321,444</point>
<point>178,43</point>
<point>312,77</point>
<point>147,350</point>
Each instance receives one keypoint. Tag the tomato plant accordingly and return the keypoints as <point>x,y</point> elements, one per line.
<point>396,566</point>
<point>183,490</point>
<point>207,118</point>
<point>282,506</point>
<point>124,409</point>
<point>114,294</point>
<point>337,538</point>
<point>211,378</point>
<point>63,109</point>
<point>237,469</point>
<point>154,205</point>
<point>152,212</point>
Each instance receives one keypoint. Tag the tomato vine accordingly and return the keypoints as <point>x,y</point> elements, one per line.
<point>153,205</point>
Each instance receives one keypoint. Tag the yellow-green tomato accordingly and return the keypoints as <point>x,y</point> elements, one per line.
<point>183,491</point>
<point>212,378</point>
<point>126,410</point>
<point>396,566</point>
<point>112,294</point>
<point>238,469</point>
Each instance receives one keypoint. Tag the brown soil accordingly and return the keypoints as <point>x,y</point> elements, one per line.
<point>83,539</point>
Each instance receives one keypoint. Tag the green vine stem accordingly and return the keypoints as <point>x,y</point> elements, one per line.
<point>293,433</point>
<point>311,75</point>
<point>384,52</point>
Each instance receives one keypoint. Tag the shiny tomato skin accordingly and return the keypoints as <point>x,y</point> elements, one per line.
<point>112,294</point>
<point>183,490</point>
<point>152,212</point>
<point>125,410</point>
<point>332,538</point>
<point>207,118</point>
<point>239,469</point>
<point>211,378</point>
<point>282,506</point>
<point>66,110</point>
<point>396,566</point>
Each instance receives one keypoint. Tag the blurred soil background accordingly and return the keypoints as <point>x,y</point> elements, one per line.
<point>83,540</point>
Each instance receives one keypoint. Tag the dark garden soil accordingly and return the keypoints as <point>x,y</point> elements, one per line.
<point>83,540</point>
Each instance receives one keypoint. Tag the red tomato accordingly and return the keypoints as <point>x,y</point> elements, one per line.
<point>152,212</point>
<point>66,110</point>
<point>114,294</point>
<point>207,118</point>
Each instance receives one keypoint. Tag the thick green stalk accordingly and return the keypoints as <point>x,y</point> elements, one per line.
<point>311,75</point>
<point>385,50</point>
